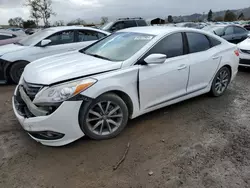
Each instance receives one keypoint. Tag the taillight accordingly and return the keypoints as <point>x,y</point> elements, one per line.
<point>237,52</point>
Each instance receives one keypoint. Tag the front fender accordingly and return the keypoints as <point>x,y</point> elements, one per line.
<point>124,80</point>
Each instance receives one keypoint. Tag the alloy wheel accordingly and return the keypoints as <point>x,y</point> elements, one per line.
<point>222,81</point>
<point>104,118</point>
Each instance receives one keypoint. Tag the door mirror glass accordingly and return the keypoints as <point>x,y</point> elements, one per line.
<point>155,59</point>
<point>45,42</point>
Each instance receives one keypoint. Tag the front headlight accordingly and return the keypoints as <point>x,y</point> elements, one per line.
<point>62,92</point>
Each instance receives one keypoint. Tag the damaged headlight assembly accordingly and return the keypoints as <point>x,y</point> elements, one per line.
<point>63,92</point>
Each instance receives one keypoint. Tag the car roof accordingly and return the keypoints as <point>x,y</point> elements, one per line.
<point>61,28</point>
<point>157,30</point>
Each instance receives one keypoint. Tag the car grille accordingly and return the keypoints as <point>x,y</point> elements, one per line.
<point>31,89</point>
<point>245,51</point>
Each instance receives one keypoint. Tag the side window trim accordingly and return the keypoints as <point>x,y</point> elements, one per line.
<point>140,60</point>
<point>74,40</point>
<point>201,34</point>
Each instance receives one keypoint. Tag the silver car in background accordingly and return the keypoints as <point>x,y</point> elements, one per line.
<point>9,37</point>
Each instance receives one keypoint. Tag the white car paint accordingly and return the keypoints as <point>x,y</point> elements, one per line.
<point>149,87</point>
<point>244,49</point>
<point>32,51</point>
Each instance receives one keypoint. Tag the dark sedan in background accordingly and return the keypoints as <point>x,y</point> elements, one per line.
<point>231,33</point>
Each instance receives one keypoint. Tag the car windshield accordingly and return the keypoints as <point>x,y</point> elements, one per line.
<point>119,46</point>
<point>35,38</point>
<point>218,30</point>
<point>107,26</point>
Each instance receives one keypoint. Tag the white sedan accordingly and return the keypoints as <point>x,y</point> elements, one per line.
<point>51,41</point>
<point>244,48</point>
<point>134,71</point>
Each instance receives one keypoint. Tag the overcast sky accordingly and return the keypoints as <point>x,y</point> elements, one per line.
<point>92,10</point>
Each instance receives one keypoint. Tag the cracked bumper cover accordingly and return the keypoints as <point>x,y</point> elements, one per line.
<point>63,120</point>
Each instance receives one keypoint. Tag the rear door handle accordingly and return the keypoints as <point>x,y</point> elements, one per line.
<point>183,66</point>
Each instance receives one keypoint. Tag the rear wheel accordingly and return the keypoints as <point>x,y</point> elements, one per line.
<point>104,118</point>
<point>220,82</point>
<point>16,70</point>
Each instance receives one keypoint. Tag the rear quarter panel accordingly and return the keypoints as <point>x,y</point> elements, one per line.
<point>229,57</point>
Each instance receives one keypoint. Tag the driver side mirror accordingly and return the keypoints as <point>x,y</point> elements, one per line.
<point>45,42</point>
<point>155,59</point>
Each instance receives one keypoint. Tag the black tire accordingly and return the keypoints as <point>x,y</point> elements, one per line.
<point>219,84</point>
<point>16,71</point>
<point>87,122</point>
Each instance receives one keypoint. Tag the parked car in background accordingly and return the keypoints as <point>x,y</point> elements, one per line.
<point>123,23</point>
<point>244,48</point>
<point>231,33</point>
<point>8,37</point>
<point>51,41</point>
<point>96,90</point>
<point>247,26</point>
<point>17,30</point>
<point>30,31</point>
<point>189,25</point>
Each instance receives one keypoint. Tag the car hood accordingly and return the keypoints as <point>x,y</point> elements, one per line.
<point>245,45</point>
<point>66,66</point>
<point>11,48</point>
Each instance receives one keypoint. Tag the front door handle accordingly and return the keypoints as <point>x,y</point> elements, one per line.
<point>183,66</point>
<point>216,57</point>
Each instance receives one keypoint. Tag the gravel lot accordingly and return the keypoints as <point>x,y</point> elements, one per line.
<point>202,142</point>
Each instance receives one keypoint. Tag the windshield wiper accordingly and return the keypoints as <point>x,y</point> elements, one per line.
<point>98,56</point>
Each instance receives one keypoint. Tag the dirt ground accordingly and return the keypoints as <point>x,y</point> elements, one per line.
<point>202,142</point>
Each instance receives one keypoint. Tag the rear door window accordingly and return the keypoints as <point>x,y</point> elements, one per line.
<point>238,30</point>
<point>88,35</point>
<point>141,23</point>
<point>130,23</point>
<point>197,42</point>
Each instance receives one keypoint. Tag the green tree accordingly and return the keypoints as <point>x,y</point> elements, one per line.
<point>229,16</point>
<point>170,19</point>
<point>29,24</point>
<point>17,22</point>
<point>241,16</point>
<point>210,15</point>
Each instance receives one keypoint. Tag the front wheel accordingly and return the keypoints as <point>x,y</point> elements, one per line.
<point>104,118</point>
<point>220,82</point>
<point>16,71</point>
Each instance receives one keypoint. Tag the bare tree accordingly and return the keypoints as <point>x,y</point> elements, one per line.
<point>78,21</point>
<point>18,22</point>
<point>59,23</point>
<point>41,9</point>
<point>104,20</point>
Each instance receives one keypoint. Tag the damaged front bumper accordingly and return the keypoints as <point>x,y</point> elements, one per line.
<point>52,128</point>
